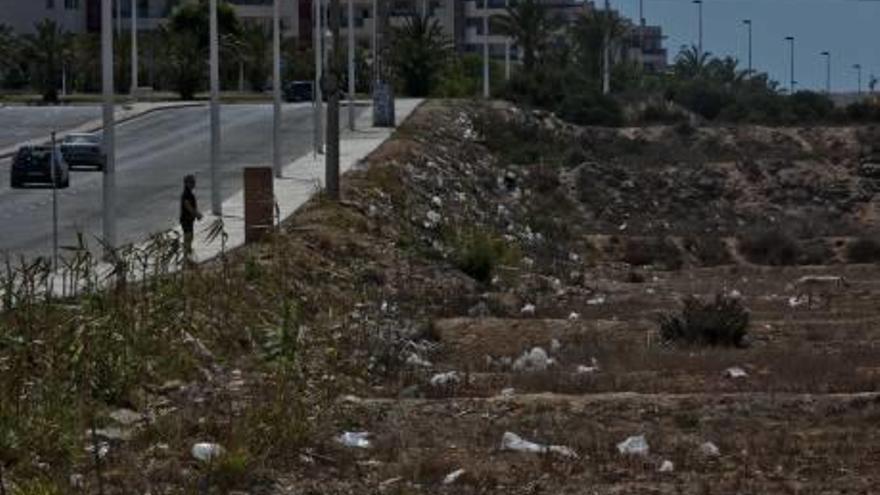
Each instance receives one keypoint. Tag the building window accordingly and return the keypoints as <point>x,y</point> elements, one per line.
<point>71,4</point>
<point>50,4</point>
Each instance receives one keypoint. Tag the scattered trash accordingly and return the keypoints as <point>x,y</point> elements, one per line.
<point>573,257</point>
<point>433,219</point>
<point>635,445</point>
<point>436,201</point>
<point>528,309</point>
<point>709,449</point>
<point>102,447</point>
<point>390,481</point>
<point>534,360</point>
<point>355,439</point>
<point>77,481</point>
<point>593,368</point>
<point>595,301</point>
<point>207,452</point>
<point>574,316</point>
<point>555,345</point>
<point>113,434</point>
<point>512,441</point>
<point>126,417</point>
<point>667,466</point>
<point>734,294</point>
<point>795,301</point>
<point>444,379</point>
<point>453,476</point>
<point>507,392</point>
<point>415,360</point>
<point>735,372</point>
<point>622,227</point>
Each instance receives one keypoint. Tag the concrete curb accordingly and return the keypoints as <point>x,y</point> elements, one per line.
<point>96,125</point>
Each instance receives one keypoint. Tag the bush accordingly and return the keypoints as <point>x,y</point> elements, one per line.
<point>720,322</point>
<point>809,106</point>
<point>478,253</point>
<point>769,247</point>
<point>653,251</point>
<point>863,250</point>
<point>815,252</point>
<point>710,251</point>
<point>590,108</point>
<point>661,114</point>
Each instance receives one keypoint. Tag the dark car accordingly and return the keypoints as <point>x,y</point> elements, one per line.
<point>298,91</point>
<point>83,150</point>
<point>31,165</point>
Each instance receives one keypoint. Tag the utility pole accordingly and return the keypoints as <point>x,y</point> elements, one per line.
<point>53,165</point>
<point>827,55</point>
<point>790,40</point>
<point>748,23</point>
<point>276,88</point>
<point>216,200</point>
<point>383,89</point>
<point>507,49</point>
<point>486,51</point>
<point>331,169</point>
<point>858,68</point>
<point>351,73</point>
<point>319,73</point>
<point>134,48</point>
<point>109,172</point>
<point>699,27</point>
<point>606,51</point>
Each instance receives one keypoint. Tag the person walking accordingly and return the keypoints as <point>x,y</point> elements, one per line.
<point>189,213</point>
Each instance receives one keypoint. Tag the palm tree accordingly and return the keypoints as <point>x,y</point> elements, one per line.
<point>691,63</point>
<point>530,24</point>
<point>589,32</point>
<point>253,50</point>
<point>419,51</point>
<point>45,50</point>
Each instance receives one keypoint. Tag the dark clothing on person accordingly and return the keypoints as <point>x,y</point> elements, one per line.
<point>188,215</point>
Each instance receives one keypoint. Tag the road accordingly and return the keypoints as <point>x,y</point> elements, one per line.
<point>154,152</point>
<point>20,124</point>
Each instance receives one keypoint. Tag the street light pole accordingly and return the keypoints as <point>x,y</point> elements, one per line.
<point>748,23</point>
<point>351,72</point>
<point>333,77</point>
<point>216,200</point>
<point>790,40</point>
<point>276,88</point>
<point>699,27</point>
<point>507,50</point>
<point>827,71</point>
<point>109,173</point>
<point>53,164</point>
<point>134,48</point>
<point>317,94</point>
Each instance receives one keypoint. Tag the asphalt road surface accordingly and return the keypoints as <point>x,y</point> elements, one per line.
<point>154,153</point>
<point>19,124</point>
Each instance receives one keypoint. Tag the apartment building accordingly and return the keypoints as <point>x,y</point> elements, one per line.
<point>23,15</point>
<point>644,45</point>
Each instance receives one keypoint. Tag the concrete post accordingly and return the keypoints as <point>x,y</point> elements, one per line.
<point>134,48</point>
<point>276,89</point>
<point>109,173</point>
<point>216,199</point>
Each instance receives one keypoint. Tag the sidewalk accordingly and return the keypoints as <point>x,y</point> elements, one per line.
<point>300,180</point>
<point>123,113</point>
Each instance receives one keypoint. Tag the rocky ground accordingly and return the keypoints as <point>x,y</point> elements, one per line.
<point>480,315</point>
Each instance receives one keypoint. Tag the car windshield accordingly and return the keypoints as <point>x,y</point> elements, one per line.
<point>38,156</point>
<point>81,139</point>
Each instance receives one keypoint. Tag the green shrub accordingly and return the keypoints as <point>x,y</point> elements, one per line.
<point>653,251</point>
<point>478,253</point>
<point>709,250</point>
<point>863,250</point>
<point>719,322</point>
<point>769,247</point>
<point>809,106</point>
<point>661,114</point>
<point>815,252</point>
<point>590,108</point>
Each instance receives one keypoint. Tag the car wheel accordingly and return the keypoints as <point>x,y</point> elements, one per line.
<point>66,183</point>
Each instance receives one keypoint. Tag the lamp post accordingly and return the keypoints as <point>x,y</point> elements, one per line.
<point>276,88</point>
<point>606,51</point>
<point>134,48</point>
<point>790,40</point>
<point>699,4</point>
<point>351,73</point>
<point>109,175</point>
<point>485,50</point>
<point>858,68</point>
<point>318,31</point>
<point>827,71</point>
<point>748,23</point>
<point>216,200</point>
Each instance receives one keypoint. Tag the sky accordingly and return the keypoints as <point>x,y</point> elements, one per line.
<point>849,29</point>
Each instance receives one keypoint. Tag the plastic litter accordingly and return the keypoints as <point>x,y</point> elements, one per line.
<point>667,467</point>
<point>735,372</point>
<point>574,316</point>
<point>534,360</point>
<point>415,360</point>
<point>528,309</point>
<point>453,476</point>
<point>512,441</point>
<point>207,452</point>
<point>355,439</point>
<point>600,299</point>
<point>709,449</point>
<point>555,345</point>
<point>443,379</point>
<point>634,445</point>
